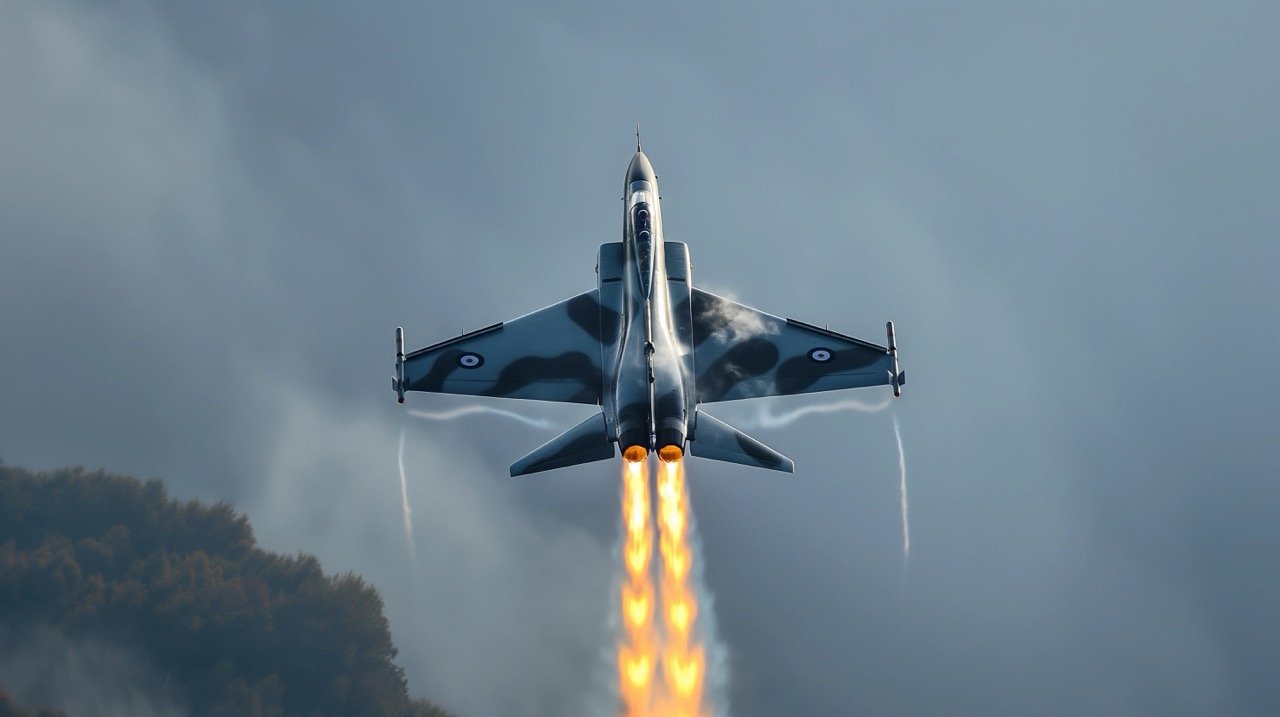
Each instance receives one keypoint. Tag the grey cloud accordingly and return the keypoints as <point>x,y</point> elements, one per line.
<point>213,216</point>
<point>498,613</point>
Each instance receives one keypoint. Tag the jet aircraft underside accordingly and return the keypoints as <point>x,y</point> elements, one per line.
<point>647,347</point>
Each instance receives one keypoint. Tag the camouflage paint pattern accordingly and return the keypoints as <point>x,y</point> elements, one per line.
<point>648,348</point>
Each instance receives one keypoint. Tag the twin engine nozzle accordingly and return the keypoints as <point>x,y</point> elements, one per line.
<point>667,454</point>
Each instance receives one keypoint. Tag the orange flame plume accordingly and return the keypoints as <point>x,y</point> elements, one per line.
<point>636,655</point>
<point>683,660</point>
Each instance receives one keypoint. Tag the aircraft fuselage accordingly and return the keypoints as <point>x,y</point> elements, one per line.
<point>652,397</point>
<point>650,350</point>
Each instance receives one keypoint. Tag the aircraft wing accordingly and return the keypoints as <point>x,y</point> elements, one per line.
<point>553,354</point>
<point>740,352</point>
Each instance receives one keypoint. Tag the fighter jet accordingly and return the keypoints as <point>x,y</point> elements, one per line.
<point>648,348</point>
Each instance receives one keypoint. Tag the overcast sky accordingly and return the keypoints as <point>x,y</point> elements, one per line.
<point>212,215</point>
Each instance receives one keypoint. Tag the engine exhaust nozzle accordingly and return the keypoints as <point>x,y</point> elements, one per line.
<point>670,453</point>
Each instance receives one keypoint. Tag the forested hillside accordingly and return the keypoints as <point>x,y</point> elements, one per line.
<point>233,629</point>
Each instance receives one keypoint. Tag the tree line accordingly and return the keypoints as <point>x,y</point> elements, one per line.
<point>236,630</point>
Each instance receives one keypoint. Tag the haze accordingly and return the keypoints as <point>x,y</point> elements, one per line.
<point>214,215</point>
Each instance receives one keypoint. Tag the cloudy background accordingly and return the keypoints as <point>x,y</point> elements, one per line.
<point>212,215</point>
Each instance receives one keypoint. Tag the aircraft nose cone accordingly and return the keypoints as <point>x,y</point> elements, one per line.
<point>639,170</point>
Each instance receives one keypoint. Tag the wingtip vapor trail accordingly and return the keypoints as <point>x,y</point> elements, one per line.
<point>902,493</point>
<point>764,418</point>
<point>404,500</point>
<point>473,410</point>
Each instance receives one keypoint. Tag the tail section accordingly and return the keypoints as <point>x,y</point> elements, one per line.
<point>584,443</point>
<point>709,438</point>
<point>714,439</point>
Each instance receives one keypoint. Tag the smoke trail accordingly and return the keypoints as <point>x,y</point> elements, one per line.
<point>902,492</point>
<point>473,410</point>
<point>767,419</point>
<point>404,501</point>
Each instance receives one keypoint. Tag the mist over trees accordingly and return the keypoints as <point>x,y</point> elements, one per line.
<point>232,629</point>
<point>8,708</point>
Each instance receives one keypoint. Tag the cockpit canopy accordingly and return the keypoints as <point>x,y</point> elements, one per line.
<point>642,231</point>
<point>641,217</point>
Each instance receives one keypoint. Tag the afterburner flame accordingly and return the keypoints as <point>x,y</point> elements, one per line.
<point>636,655</point>
<point>683,659</point>
<point>637,670</point>
<point>684,671</point>
<point>681,609</point>
<point>637,605</point>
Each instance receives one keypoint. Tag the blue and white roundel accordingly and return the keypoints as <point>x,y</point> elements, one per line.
<point>820,355</point>
<point>470,360</point>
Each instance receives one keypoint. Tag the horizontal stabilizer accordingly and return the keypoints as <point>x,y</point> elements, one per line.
<point>718,441</point>
<point>584,443</point>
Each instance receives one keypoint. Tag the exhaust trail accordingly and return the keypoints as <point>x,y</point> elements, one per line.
<point>767,419</point>
<point>637,652</point>
<point>406,511</point>
<point>453,413</point>
<point>684,658</point>
<point>668,662</point>
<point>902,493</point>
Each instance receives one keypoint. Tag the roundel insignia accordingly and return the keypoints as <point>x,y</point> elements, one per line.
<point>820,355</point>
<point>470,360</point>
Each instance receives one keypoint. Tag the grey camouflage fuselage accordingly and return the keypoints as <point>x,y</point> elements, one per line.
<point>650,365</point>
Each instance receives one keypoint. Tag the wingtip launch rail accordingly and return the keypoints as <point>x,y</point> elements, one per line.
<point>398,382</point>
<point>897,378</point>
